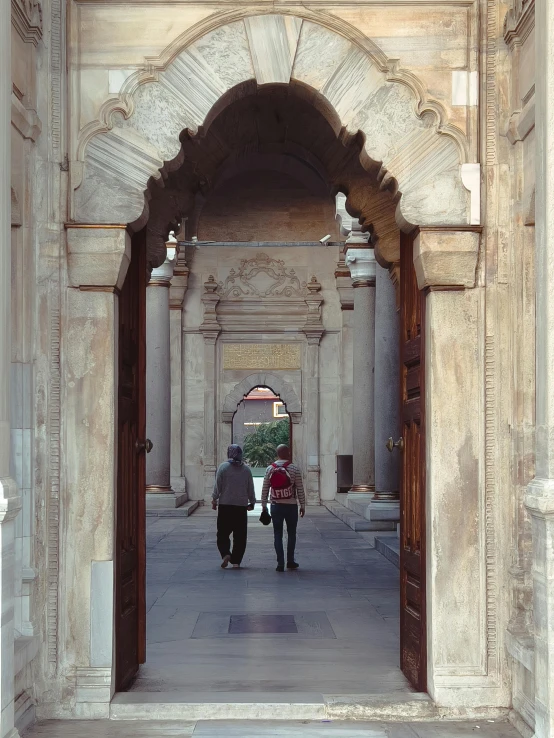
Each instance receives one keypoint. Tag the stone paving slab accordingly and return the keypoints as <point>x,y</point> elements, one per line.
<point>345,597</point>
<point>275,729</point>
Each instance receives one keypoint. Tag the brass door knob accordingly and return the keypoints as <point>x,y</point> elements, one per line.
<point>144,446</point>
<point>391,445</point>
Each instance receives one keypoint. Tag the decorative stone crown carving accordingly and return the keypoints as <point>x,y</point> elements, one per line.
<point>262,276</point>
<point>27,19</point>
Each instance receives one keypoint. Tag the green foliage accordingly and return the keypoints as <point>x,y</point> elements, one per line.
<point>259,448</point>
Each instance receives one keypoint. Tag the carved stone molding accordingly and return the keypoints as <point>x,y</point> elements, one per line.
<point>210,327</point>
<point>262,276</point>
<point>26,121</point>
<point>16,217</point>
<point>27,20</point>
<point>97,257</point>
<point>314,329</point>
<point>519,22</point>
<point>446,257</point>
<point>119,133</point>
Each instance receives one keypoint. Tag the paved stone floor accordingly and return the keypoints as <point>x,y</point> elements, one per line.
<point>239,729</point>
<point>330,627</point>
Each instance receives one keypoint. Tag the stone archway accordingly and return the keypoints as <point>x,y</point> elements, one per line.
<point>281,388</point>
<point>136,139</point>
<point>407,136</point>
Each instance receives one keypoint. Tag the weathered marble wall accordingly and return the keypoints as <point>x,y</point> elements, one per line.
<point>26,127</point>
<point>519,37</point>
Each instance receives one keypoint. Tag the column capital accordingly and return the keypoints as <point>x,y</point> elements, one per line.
<point>179,282</point>
<point>447,257</point>
<point>97,256</point>
<point>362,265</point>
<point>161,276</point>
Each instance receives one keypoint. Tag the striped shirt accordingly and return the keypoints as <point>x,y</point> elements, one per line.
<point>298,487</point>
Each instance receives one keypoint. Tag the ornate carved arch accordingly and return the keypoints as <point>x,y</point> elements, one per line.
<point>136,136</point>
<point>279,386</point>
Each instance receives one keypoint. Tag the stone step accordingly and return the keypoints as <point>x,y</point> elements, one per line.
<point>173,512</point>
<point>165,501</point>
<point>355,521</point>
<point>374,511</point>
<point>270,706</point>
<point>389,546</point>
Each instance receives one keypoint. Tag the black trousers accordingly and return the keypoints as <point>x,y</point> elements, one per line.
<point>232,519</point>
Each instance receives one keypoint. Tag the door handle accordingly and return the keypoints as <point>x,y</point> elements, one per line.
<point>391,445</point>
<point>144,446</point>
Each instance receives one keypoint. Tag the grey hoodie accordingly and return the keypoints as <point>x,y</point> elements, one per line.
<point>234,485</point>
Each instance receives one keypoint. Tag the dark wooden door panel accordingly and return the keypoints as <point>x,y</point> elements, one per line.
<point>130,554</point>
<point>413,655</point>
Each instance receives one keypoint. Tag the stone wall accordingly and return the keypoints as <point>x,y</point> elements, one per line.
<point>519,37</point>
<point>267,206</point>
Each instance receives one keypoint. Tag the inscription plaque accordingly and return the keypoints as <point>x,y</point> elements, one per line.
<point>261,356</point>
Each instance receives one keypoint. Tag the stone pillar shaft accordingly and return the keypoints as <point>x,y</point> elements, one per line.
<point>540,493</point>
<point>9,499</point>
<point>387,383</point>
<point>361,262</point>
<point>158,378</point>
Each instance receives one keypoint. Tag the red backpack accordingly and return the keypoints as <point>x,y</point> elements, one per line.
<point>280,482</point>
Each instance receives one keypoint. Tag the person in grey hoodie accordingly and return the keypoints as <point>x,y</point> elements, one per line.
<point>234,492</point>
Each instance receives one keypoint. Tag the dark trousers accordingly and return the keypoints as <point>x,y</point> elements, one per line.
<point>281,513</point>
<point>232,519</point>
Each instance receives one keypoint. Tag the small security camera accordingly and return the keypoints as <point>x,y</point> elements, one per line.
<point>325,238</point>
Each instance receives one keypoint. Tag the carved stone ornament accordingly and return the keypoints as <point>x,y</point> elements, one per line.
<point>262,276</point>
<point>27,20</point>
<point>519,22</point>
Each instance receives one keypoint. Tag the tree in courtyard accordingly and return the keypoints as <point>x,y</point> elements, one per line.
<point>259,448</point>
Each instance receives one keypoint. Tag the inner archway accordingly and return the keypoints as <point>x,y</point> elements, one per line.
<point>263,414</point>
<point>255,318</point>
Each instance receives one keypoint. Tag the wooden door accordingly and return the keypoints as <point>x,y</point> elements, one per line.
<point>130,554</point>
<point>413,654</point>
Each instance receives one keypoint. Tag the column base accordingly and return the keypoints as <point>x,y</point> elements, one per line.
<point>169,501</point>
<point>386,497</point>
<point>362,489</point>
<point>157,489</point>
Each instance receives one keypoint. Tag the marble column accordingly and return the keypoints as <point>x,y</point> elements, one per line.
<point>387,387</point>
<point>360,259</point>
<point>158,377</point>
<point>177,292</point>
<point>9,498</point>
<point>539,499</point>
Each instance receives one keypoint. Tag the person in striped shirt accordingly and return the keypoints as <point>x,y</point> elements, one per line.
<point>285,491</point>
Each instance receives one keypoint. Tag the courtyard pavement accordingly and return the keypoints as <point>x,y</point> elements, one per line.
<point>329,627</point>
<point>337,623</point>
<point>257,729</point>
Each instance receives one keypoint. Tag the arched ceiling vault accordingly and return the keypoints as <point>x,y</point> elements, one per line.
<point>275,126</point>
<point>404,136</point>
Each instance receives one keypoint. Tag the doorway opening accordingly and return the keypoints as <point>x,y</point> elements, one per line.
<point>334,623</point>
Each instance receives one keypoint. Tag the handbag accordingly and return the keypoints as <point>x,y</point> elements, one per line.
<point>265,517</point>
